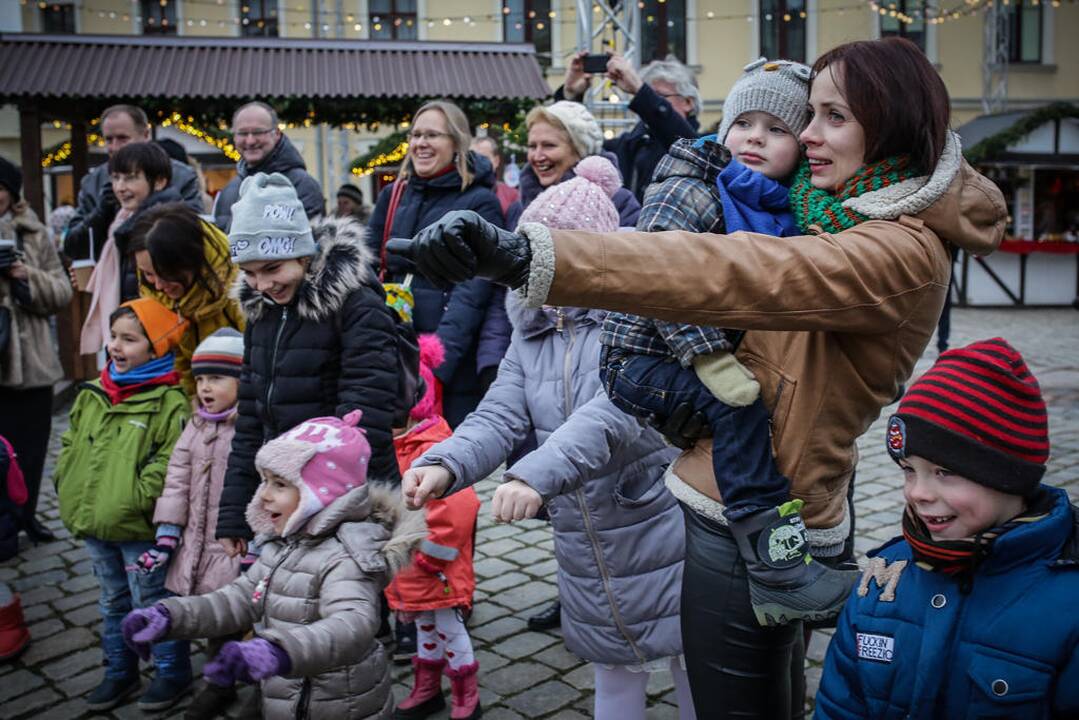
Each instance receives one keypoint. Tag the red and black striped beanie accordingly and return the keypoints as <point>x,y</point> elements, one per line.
<point>978,412</point>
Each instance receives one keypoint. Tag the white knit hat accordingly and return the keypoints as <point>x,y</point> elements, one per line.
<point>584,132</point>
<point>777,87</point>
<point>268,221</point>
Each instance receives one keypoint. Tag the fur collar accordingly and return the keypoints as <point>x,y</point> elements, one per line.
<point>532,322</point>
<point>342,265</point>
<point>371,521</point>
<point>912,196</point>
<point>25,219</point>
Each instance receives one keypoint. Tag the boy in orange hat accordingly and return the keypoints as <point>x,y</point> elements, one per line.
<point>110,473</point>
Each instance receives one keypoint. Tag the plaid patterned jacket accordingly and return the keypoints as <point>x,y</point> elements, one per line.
<point>682,196</point>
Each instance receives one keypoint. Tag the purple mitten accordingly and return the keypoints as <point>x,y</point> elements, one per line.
<point>248,662</point>
<point>145,626</point>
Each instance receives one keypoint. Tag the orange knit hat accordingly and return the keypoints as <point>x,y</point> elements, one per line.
<point>163,327</point>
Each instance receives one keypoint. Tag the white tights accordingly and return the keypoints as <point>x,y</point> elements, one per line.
<point>620,693</point>
<point>442,634</point>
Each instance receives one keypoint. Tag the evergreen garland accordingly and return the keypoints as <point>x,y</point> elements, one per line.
<point>989,148</point>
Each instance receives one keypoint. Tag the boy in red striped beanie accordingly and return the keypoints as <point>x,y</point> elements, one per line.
<point>971,612</point>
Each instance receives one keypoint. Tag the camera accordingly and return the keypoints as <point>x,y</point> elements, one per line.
<point>595,64</point>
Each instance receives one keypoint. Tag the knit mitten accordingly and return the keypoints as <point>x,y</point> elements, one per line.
<point>145,626</point>
<point>157,556</point>
<point>727,379</point>
<point>249,662</point>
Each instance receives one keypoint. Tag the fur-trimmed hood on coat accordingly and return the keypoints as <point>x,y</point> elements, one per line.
<point>531,322</point>
<point>371,513</point>
<point>343,264</point>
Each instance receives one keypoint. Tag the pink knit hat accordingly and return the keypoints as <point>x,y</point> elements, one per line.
<point>324,457</point>
<point>431,356</point>
<point>582,202</point>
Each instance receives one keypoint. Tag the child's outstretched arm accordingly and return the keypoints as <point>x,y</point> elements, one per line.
<point>349,612</point>
<point>579,449</point>
<point>225,611</point>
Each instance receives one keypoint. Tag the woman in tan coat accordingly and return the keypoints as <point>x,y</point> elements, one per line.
<point>33,287</point>
<point>835,321</point>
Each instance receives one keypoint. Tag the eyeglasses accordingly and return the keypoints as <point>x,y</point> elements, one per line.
<point>426,136</point>
<point>251,133</point>
<point>668,96</point>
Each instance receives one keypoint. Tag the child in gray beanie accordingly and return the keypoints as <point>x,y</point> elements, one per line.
<point>737,180</point>
<point>319,340</point>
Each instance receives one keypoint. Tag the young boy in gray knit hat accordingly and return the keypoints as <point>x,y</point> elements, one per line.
<point>650,367</point>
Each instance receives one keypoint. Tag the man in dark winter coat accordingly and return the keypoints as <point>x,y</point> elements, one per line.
<point>96,206</point>
<point>665,98</point>
<point>264,148</point>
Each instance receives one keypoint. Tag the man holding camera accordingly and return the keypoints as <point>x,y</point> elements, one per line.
<point>665,98</point>
<point>32,287</point>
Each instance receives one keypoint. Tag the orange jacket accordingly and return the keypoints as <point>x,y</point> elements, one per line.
<point>447,551</point>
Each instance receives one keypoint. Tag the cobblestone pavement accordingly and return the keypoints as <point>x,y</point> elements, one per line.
<point>523,674</point>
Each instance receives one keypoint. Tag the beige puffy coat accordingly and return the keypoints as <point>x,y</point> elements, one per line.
<point>316,593</point>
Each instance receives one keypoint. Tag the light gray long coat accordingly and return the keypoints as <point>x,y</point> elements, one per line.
<point>316,593</point>
<point>619,535</point>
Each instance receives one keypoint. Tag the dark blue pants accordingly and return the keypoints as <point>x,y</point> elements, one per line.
<point>651,387</point>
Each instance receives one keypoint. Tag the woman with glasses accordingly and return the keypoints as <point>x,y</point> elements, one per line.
<point>440,174</point>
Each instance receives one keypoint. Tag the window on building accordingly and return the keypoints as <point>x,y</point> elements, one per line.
<point>528,21</point>
<point>392,19</point>
<point>783,29</point>
<point>663,29</point>
<point>158,17</point>
<point>258,18</point>
<point>58,19</point>
<point>1025,33</point>
<point>892,26</point>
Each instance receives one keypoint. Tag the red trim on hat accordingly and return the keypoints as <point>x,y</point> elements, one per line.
<point>215,358</point>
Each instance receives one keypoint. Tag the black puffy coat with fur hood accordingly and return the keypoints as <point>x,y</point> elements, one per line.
<point>332,350</point>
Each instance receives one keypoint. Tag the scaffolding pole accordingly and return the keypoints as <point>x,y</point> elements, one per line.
<point>605,25</point>
<point>995,58</point>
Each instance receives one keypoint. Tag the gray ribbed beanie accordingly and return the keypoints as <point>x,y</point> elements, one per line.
<point>268,221</point>
<point>777,87</point>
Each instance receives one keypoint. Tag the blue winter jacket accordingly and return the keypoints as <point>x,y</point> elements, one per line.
<point>456,315</point>
<point>1009,648</point>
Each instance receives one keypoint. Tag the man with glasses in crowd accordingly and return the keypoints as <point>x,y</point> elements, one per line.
<point>665,98</point>
<point>120,125</point>
<point>264,148</point>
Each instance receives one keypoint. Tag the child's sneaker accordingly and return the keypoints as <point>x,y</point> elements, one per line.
<point>405,643</point>
<point>112,691</point>
<point>785,582</point>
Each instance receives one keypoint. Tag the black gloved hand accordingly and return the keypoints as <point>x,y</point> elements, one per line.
<point>684,427</point>
<point>95,225</point>
<point>107,204</point>
<point>461,246</point>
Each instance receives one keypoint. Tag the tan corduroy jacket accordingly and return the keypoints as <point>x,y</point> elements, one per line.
<point>835,322</point>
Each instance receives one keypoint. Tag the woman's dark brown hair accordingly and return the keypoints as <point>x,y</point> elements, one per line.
<point>174,235</point>
<point>896,95</point>
<point>148,157</point>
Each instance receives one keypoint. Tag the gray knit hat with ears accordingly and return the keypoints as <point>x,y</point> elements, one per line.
<point>268,222</point>
<point>584,132</point>
<point>777,87</point>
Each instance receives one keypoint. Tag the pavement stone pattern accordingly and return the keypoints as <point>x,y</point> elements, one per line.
<point>522,674</point>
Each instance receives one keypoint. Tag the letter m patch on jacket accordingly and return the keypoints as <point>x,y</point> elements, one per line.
<point>886,576</point>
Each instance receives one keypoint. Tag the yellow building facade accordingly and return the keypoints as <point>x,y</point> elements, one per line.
<point>716,37</point>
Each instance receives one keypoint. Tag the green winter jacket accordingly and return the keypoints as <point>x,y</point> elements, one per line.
<point>112,463</point>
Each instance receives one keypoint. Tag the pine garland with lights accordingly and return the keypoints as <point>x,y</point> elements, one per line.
<point>994,145</point>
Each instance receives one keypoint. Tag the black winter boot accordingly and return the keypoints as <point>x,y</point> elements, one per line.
<point>785,582</point>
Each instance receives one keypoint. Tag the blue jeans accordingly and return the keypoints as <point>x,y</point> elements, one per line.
<point>651,387</point>
<point>123,590</point>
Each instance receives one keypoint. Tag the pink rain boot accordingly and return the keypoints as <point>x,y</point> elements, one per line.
<point>426,696</point>
<point>465,689</point>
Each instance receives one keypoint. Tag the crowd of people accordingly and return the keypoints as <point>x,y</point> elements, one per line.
<point>293,406</point>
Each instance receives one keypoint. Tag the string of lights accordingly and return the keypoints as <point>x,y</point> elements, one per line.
<point>329,20</point>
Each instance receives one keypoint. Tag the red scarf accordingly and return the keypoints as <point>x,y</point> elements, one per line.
<point>118,393</point>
